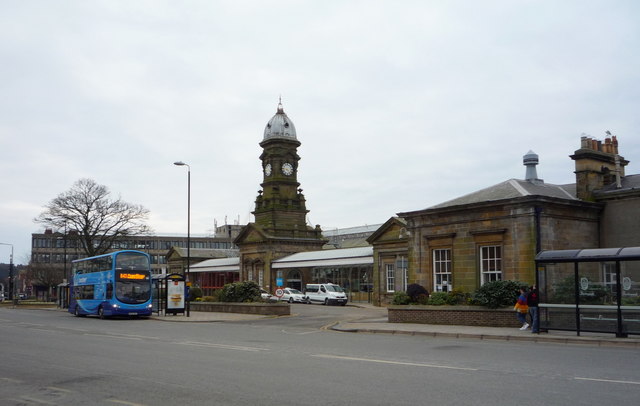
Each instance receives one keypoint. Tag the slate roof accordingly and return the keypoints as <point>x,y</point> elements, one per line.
<point>629,183</point>
<point>511,189</point>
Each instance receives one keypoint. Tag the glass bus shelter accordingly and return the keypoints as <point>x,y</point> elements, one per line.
<point>590,290</point>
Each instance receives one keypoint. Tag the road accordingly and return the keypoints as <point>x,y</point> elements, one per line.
<point>53,358</point>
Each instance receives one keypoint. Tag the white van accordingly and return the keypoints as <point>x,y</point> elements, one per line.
<point>325,293</point>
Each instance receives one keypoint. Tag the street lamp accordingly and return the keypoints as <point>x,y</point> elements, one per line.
<point>11,283</point>
<point>186,273</point>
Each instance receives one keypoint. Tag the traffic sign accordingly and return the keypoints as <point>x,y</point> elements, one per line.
<point>279,292</point>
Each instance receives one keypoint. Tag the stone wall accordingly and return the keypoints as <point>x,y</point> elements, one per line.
<point>267,309</point>
<point>454,315</point>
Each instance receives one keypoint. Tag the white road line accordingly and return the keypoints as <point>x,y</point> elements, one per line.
<point>381,361</point>
<point>301,333</point>
<point>11,380</point>
<point>124,402</point>
<point>56,389</point>
<point>222,346</point>
<point>36,400</point>
<point>111,336</point>
<point>607,380</point>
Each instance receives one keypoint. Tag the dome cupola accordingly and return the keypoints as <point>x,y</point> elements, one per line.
<point>280,126</point>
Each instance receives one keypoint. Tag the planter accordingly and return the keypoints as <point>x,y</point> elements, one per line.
<point>453,315</point>
<point>266,309</point>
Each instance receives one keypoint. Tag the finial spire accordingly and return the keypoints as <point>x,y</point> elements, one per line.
<point>280,108</point>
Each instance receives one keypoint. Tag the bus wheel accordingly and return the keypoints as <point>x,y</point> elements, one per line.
<point>101,312</point>
<point>76,312</point>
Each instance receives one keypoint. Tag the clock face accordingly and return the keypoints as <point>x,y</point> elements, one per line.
<point>287,168</point>
<point>267,169</point>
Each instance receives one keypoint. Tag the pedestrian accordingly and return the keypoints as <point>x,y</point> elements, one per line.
<point>532,301</point>
<point>522,308</point>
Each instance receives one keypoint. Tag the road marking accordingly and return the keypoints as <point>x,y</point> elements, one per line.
<point>301,333</point>
<point>607,380</point>
<point>124,402</point>
<point>11,380</point>
<point>47,330</point>
<point>36,400</point>
<point>54,388</point>
<point>112,336</point>
<point>222,346</point>
<point>381,361</point>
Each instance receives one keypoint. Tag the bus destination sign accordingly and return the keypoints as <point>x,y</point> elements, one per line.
<point>136,276</point>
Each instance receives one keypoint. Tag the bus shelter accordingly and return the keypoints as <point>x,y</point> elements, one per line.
<point>590,290</point>
<point>170,294</point>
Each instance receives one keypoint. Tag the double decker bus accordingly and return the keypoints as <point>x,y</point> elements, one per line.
<point>115,284</point>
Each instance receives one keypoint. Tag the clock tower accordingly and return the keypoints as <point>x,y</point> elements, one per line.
<point>280,226</point>
<point>280,205</point>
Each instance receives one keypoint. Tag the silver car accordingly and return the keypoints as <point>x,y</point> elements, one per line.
<point>294,295</point>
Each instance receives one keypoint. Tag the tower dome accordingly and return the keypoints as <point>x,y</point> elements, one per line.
<point>280,126</point>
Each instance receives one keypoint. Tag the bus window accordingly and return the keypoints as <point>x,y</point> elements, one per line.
<point>132,260</point>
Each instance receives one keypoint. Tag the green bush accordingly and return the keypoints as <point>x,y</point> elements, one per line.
<point>457,297</point>
<point>400,298</point>
<point>438,298</point>
<point>498,294</point>
<point>194,293</point>
<point>208,299</point>
<point>239,292</point>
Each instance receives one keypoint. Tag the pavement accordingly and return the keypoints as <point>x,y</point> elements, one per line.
<point>378,324</point>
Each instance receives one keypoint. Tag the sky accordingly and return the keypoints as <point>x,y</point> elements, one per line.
<point>398,105</point>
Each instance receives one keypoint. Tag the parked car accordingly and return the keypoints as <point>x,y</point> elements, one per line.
<point>22,296</point>
<point>266,296</point>
<point>294,295</point>
<point>325,293</point>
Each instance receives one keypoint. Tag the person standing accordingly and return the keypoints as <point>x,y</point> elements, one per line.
<point>522,308</point>
<point>532,301</point>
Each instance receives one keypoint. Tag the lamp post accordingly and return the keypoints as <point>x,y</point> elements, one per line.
<point>11,283</point>
<point>186,272</point>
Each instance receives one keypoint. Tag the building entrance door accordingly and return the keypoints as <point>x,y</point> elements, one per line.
<point>294,280</point>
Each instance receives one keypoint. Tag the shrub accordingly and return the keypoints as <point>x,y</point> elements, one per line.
<point>498,293</point>
<point>400,298</point>
<point>415,291</point>
<point>247,291</point>
<point>208,299</point>
<point>457,297</point>
<point>438,298</point>
<point>194,293</point>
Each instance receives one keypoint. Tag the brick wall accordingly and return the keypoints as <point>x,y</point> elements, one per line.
<point>271,309</point>
<point>453,315</point>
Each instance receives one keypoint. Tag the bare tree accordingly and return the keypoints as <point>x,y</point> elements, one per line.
<point>98,220</point>
<point>47,276</point>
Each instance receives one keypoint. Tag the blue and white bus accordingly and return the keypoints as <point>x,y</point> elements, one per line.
<point>115,284</point>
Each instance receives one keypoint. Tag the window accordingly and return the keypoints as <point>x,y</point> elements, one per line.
<point>402,265</point>
<point>609,277</point>
<point>442,270</point>
<point>391,278</point>
<point>490,263</point>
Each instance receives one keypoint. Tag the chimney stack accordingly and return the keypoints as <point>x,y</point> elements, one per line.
<point>596,165</point>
